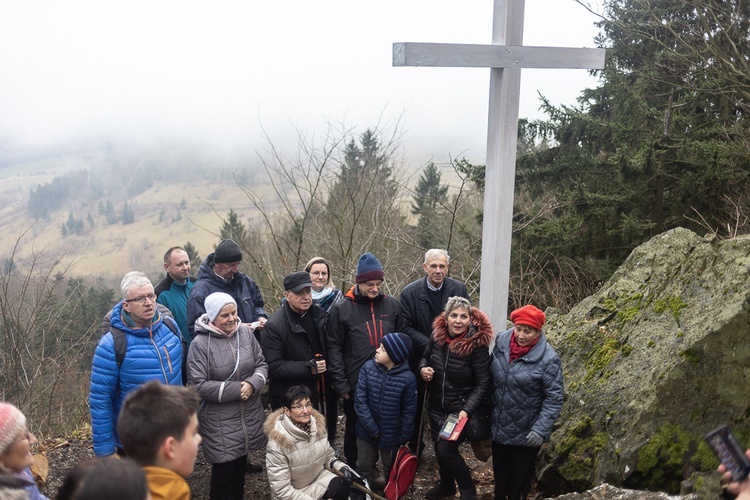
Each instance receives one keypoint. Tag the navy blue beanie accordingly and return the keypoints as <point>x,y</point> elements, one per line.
<point>368,268</point>
<point>398,347</point>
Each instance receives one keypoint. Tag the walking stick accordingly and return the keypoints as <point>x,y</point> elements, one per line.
<point>322,400</point>
<point>359,486</point>
<point>424,408</point>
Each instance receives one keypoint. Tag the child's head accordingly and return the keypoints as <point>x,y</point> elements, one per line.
<point>108,477</point>
<point>16,441</point>
<point>158,425</point>
<point>394,349</point>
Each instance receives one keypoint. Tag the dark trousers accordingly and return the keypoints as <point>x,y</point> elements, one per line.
<point>451,464</point>
<point>350,433</point>
<point>368,457</point>
<point>228,480</point>
<point>513,468</point>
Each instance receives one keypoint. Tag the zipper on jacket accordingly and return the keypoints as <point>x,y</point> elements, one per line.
<point>158,355</point>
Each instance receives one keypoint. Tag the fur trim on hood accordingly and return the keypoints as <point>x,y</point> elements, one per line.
<point>275,422</point>
<point>479,335</point>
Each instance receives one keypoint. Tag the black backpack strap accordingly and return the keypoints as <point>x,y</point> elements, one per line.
<point>121,345</point>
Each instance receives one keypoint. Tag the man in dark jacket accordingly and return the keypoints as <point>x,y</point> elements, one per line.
<point>356,324</point>
<point>421,302</point>
<point>220,273</point>
<point>294,345</point>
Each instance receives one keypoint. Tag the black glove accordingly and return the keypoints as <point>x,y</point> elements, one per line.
<point>348,476</point>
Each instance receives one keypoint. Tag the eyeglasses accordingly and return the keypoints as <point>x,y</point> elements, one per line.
<point>372,284</point>
<point>307,406</point>
<point>143,298</point>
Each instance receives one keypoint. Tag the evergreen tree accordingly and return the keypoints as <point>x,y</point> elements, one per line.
<point>128,217</point>
<point>428,196</point>
<point>64,230</point>
<point>233,228</point>
<point>195,258</point>
<point>109,213</point>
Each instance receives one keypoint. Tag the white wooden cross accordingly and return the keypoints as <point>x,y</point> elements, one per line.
<point>506,56</point>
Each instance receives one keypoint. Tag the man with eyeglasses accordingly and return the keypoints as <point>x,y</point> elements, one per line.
<point>152,352</point>
<point>294,345</point>
<point>356,325</point>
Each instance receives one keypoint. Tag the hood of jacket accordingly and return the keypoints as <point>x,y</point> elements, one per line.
<point>203,326</point>
<point>352,295</point>
<point>206,272</point>
<point>479,334</point>
<point>276,424</point>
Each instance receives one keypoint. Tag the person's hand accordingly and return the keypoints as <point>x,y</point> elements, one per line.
<point>427,373</point>
<point>261,323</point>
<point>320,366</point>
<point>533,439</point>
<point>345,396</point>
<point>348,476</point>
<point>246,390</point>
<point>739,488</point>
<point>463,414</point>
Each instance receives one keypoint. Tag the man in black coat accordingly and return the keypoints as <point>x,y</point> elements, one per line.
<point>421,301</point>
<point>294,345</point>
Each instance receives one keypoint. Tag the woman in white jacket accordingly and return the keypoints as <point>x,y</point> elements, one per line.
<point>298,455</point>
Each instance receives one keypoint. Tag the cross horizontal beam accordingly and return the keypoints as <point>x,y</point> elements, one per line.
<point>495,56</point>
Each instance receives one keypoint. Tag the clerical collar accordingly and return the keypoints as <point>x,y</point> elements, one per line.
<point>434,289</point>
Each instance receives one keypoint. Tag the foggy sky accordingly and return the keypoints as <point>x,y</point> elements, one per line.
<point>210,72</point>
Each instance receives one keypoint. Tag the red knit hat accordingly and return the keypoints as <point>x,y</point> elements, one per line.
<point>530,316</point>
<point>12,422</point>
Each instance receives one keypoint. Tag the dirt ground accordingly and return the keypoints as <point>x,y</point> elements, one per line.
<point>64,454</point>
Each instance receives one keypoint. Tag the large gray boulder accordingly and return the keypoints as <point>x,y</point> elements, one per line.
<point>653,361</point>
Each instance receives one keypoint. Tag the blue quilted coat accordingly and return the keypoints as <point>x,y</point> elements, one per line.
<point>527,395</point>
<point>154,353</point>
<point>386,404</point>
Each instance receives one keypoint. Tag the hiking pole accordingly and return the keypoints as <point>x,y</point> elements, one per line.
<point>359,486</point>
<point>421,422</point>
<point>322,400</point>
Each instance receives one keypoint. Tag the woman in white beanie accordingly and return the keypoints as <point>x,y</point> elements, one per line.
<point>16,481</point>
<point>227,368</point>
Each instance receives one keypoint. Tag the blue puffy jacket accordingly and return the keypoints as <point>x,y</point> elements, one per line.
<point>386,404</point>
<point>527,394</point>
<point>151,354</point>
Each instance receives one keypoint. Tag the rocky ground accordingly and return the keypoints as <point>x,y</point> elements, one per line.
<point>64,454</point>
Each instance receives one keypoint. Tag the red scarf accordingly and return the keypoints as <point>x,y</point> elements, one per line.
<point>517,351</point>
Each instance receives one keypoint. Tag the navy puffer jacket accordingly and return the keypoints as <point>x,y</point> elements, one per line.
<point>461,380</point>
<point>527,394</point>
<point>386,404</point>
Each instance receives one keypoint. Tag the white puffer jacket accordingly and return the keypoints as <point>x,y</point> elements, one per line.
<point>297,462</point>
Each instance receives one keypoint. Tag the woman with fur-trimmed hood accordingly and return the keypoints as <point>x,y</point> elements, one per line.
<point>456,365</point>
<point>298,455</point>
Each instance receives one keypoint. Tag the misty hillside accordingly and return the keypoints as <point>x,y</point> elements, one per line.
<point>108,211</point>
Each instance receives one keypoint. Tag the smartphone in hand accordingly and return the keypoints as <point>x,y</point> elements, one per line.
<point>729,452</point>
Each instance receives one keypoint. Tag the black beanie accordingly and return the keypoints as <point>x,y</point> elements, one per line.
<point>227,251</point>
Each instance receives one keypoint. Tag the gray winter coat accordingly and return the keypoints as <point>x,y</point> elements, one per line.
<point>229,426</point>
<point>527,395</point>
